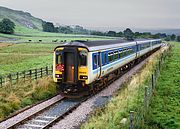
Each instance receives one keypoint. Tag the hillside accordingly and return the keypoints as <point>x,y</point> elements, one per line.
<point>24,21</point>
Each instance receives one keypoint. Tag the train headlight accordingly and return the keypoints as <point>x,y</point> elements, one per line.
<point>58,75</point>
<point>83,77</point>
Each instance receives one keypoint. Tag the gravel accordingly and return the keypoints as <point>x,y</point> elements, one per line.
<point>80,115</point>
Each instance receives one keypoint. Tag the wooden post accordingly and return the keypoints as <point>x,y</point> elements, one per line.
<point>131,119</point>
<point>51,69</point>
<point>46,70</point>
<point>145,97</point>
<point>24,72</point>
<point>30,74</point>
<point>10,78</point>
<point>153,85</point>
<point>159,65</point>
<point>1,80</point>
<point>41,73</point>
<point>17,77</point>
<point>36,74</point>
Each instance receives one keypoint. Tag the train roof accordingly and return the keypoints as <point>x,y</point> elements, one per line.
<point>104,44</point>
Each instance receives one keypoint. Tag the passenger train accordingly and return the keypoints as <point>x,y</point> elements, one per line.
<point>78,66</point>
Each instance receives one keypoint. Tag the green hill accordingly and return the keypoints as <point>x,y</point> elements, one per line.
<point>24,21</point>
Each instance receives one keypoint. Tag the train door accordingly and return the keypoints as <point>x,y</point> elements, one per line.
<point>100,64</point>
<point>70,66</point>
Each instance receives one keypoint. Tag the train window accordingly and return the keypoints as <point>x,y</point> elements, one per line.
<point>58,57</point>
<point>95,60</point>
<point>83,58</point>
<point>116,56</point>
<point>125,53</point>
<point>120,54</point>
<point>110,56</point>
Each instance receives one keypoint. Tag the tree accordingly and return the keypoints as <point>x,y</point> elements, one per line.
<point>111,33</point>
<point>99,33</point>
<point>7,26</point>
<point>168,38</point>
<point>173,37</point>
<point>128,34</point>
<point>178,38</point>
<point>65,29</point>
<point>48,27</point>
<point>119,34</point>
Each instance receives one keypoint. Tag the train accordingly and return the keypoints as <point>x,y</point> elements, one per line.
<point>81,67</point>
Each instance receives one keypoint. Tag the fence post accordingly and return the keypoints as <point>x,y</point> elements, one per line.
<point>159,65</point>
<point>153,85</point>
<point>41,73</point>
<point>10,78</point>
<point>24,72</point>
<point>17,77</point>
<point>1,80</point>
<point>145,97</point>
<point>131,119</point>
<point>30,74</point>
<point>51,69</point>
<point>36,74</point>
<point>46,70</point>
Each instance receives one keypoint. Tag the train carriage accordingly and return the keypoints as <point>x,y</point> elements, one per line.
<point>78,65</point>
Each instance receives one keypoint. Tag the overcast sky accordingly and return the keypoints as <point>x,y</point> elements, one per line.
<point>150,14</point>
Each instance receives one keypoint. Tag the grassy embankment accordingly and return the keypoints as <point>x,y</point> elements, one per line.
<point>126,100</point>
<point>13,98</point>
<point>164,111</point>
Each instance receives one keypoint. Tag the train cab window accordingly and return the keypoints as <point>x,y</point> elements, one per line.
<point>116,55</point>
<point>83,58</point>
<point>58,57</point>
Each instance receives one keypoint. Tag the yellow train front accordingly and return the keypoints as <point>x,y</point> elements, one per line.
<point>71,70</point>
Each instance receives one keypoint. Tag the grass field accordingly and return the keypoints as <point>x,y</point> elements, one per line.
<point>126,100</point>
<point>23,34</point>
<point>20,57</point>
<point>164,111</point>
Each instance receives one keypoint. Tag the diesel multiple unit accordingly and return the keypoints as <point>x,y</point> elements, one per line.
<point>78,65</point>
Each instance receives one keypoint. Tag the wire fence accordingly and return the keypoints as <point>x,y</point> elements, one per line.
<point>137,117</point>
<point>33,74</point>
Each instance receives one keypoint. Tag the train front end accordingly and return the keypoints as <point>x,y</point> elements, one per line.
<point>70,70</point>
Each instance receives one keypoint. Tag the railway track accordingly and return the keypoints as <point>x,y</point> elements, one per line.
<point>49,116</point>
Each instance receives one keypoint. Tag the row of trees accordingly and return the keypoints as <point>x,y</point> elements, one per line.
<point>7,26</point>
<point>127,33</point>
<point>130,35</point>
